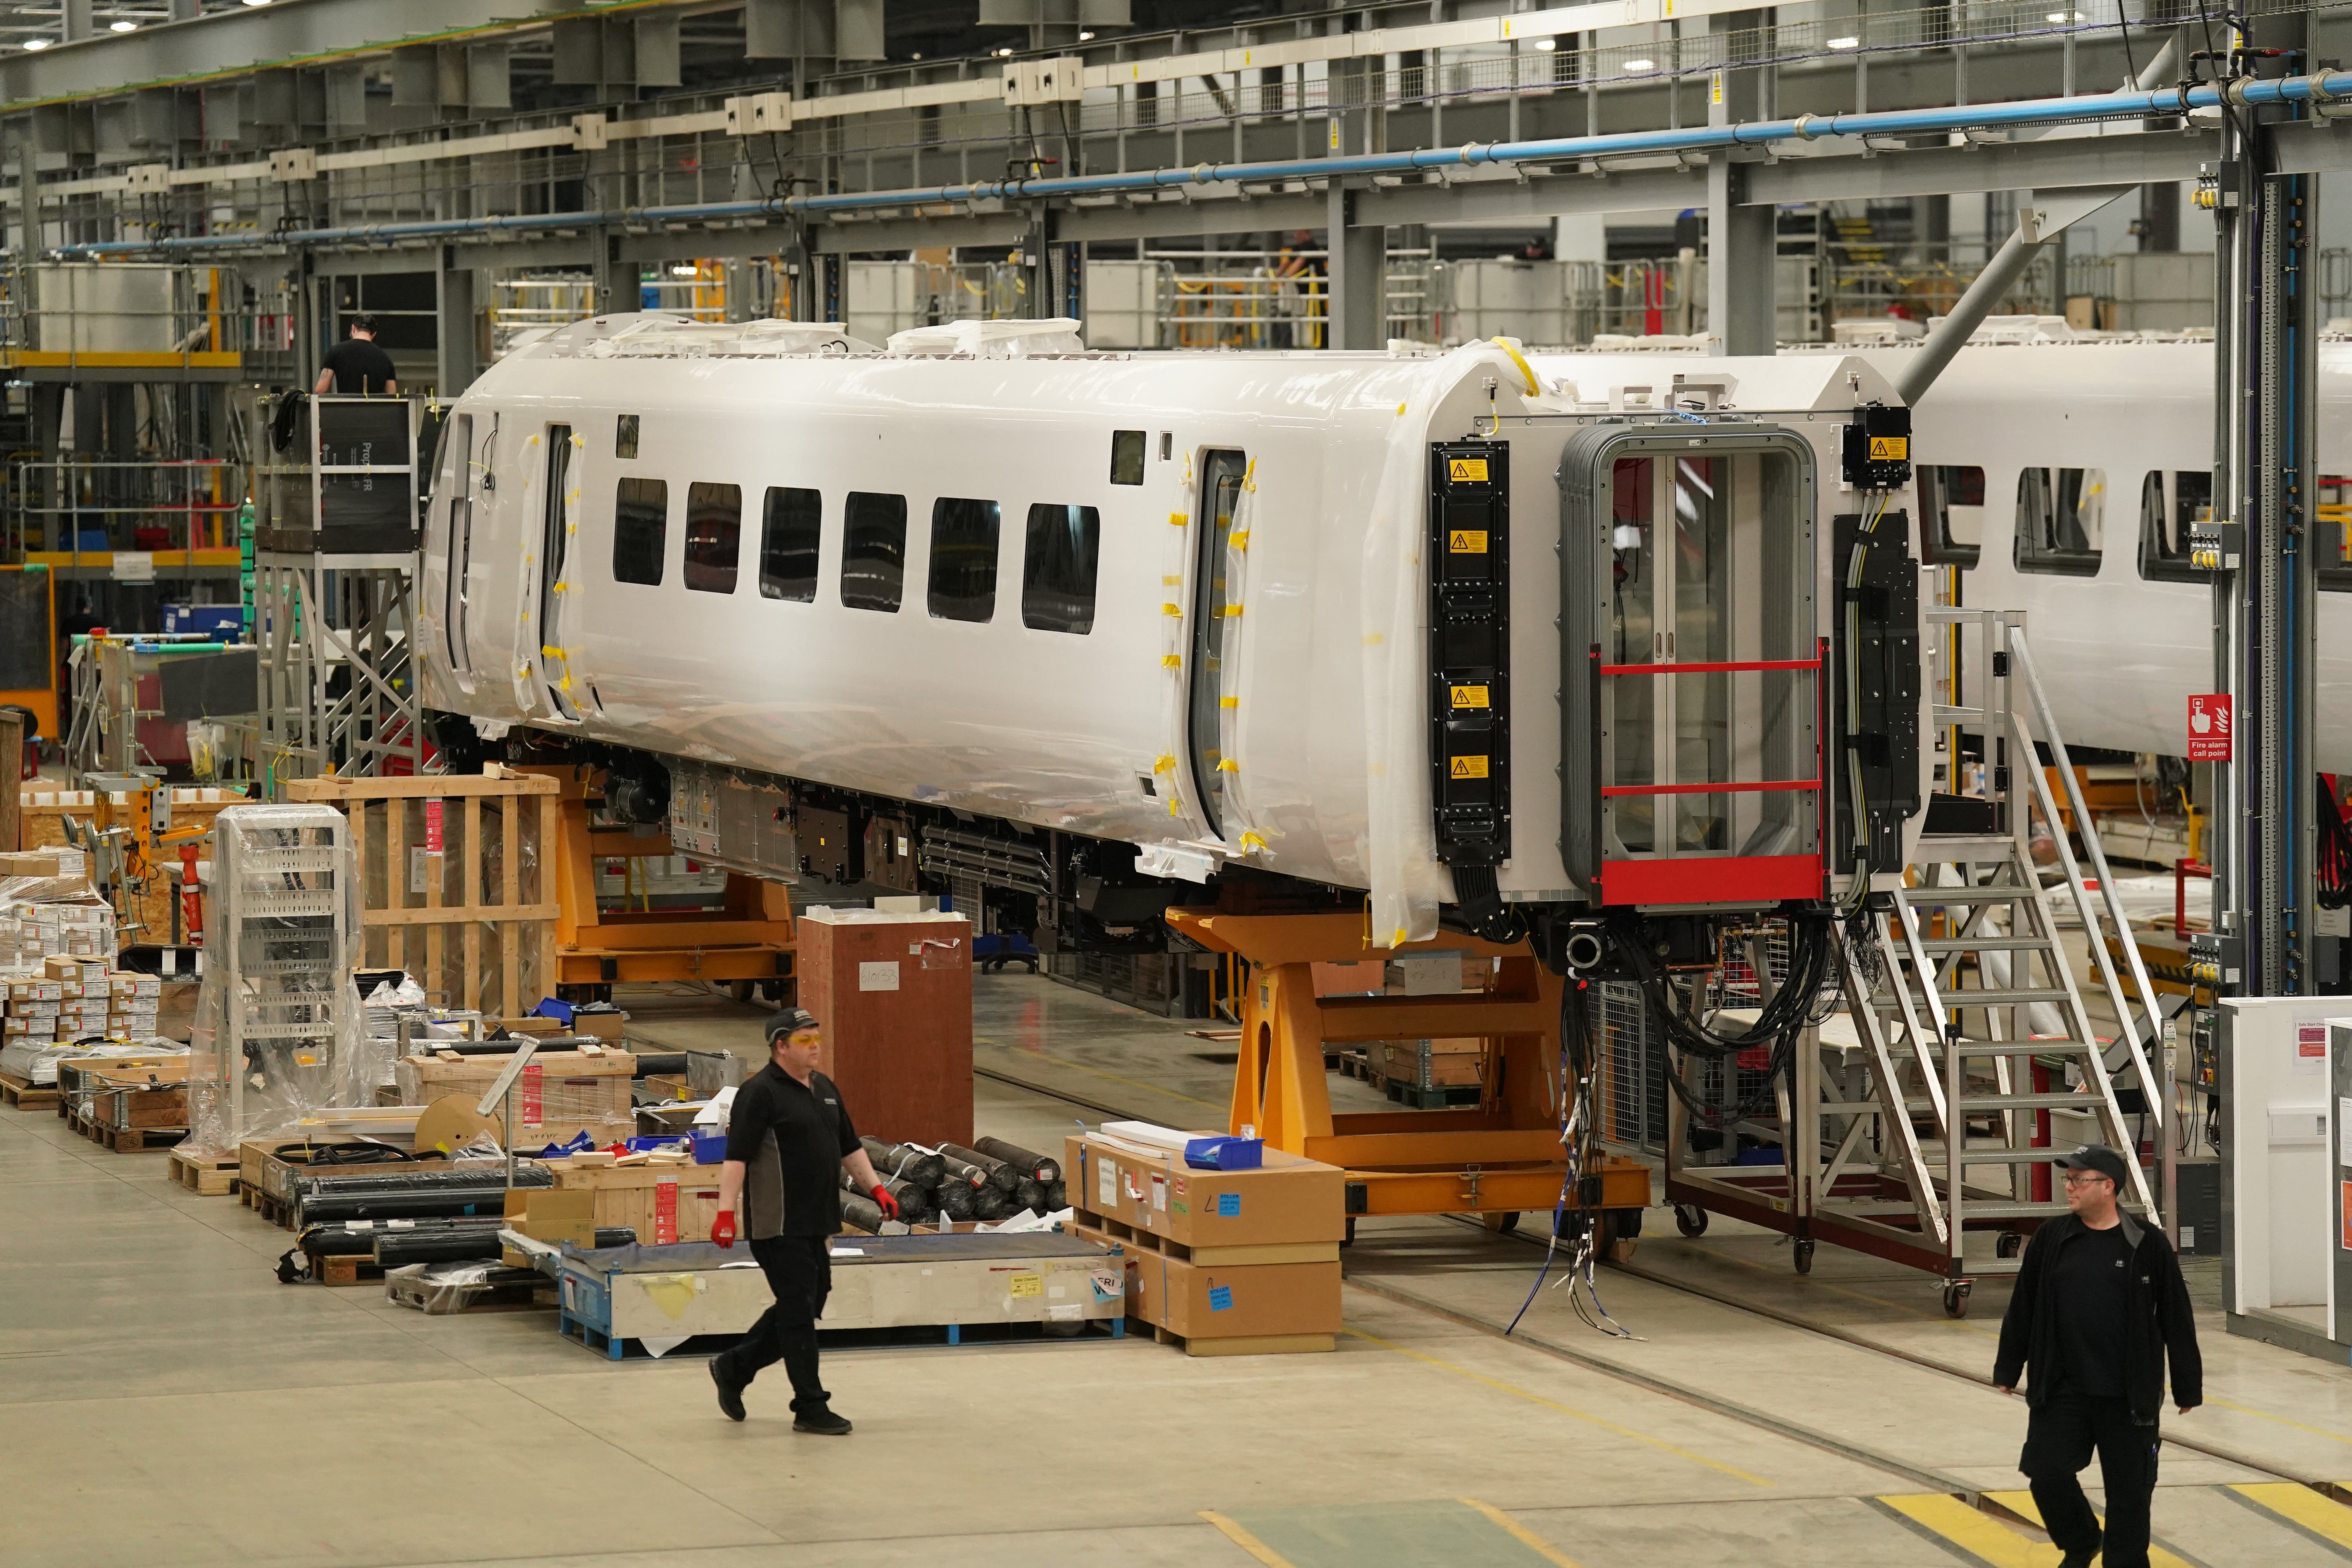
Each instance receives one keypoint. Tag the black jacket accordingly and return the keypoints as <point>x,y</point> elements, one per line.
<point>2156,1315</point>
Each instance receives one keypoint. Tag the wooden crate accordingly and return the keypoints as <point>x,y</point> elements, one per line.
<point>458,877</point>
<point>151,916</point>
<point>205,1173</point>
<point>631,1196</point>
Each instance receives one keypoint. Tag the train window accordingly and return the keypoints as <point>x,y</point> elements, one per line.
<point>964,559</point>
<point>1127,456</point>
<point>2168,503</point>
<point>787,541</point>
<point>624,438</point>
<point>1951,515</point>
<point>1057,574</point>
<point>640,530</point>
<point>2059,523</point>
<point>2335,553</point>
<point>873,552</point>
<point>714,533</point>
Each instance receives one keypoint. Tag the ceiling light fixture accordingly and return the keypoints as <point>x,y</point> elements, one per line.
<point>1641,65</point>
<point>1844,43</point>
<point>1085,37</point>
<point>1004,54</point>
<point>36,43</point>
<point>125,26</point>
<point>1546,46</point>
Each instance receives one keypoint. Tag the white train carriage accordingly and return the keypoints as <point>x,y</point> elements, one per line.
<point>1178,601</point>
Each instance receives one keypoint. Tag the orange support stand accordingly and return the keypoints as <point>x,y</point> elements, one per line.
<point>1496,1159</point>
<point>747,941</point>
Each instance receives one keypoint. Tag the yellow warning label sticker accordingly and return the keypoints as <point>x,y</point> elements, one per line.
<point>1469,768</point>
<point>1466,471</point>
<point>1466,541</point>
<point>1028,1284</point>
<point>1890,448</point>
<point>1467,696</point>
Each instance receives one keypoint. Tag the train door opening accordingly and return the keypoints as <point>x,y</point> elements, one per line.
<point>555,537</point>
<point>1708,679</point>
<point>458,484</point>
<point>1221,473</point>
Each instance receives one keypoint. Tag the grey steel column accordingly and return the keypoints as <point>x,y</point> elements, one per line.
<point>1739,239</point>
<point>457,361</point>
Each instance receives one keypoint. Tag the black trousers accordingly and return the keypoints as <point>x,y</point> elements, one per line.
<point>799,1276</point>
<point>2059,1438</point>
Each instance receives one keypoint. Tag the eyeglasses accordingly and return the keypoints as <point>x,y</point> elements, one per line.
<point>2083,1178</point>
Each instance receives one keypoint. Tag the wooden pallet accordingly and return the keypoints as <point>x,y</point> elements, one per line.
<point>206,1175</point>
<point>1242,1344</point>
<point>1103,1227</point>
<point>25,1095</point>
<point>940,1335</point>
<point>503,1296</point>
<point>133,1140</point>
<point>276,1211</point>
<point>1446,1097</point>
<point>350,1268</point>
<point>1355,1065</point>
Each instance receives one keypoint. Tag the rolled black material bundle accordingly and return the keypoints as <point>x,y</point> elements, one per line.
<point>988,1203</point>
<point>446,1204</point>
<point>863,1212</point>
<point>1001,1176</point>
<point>356,1239</point>
<point>956,1200</point>
<point>914,1202</point>
<point>395,1249</point>
<point>1035,1166</point>
<point>1057,1196</point>
<point>962,1173</point>
<point>423,1179</point>
<point>669,1063</point>
<point>1029,1195</point>
<point>916,1165</point>
<point>360,1152</point>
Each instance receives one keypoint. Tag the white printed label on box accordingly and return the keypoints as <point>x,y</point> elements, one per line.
<point>882,976</point>
<point>2310,1049</point>
<point>1158,1192</point>
<point>1106,1184</point>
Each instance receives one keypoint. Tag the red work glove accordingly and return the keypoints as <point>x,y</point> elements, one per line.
<point>885,1201</point>
<point>722,1228</point>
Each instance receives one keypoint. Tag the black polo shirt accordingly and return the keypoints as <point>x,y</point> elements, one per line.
<point>361,367</point>
<point>791,1138</point>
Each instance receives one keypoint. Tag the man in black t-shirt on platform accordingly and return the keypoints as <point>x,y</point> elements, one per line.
<point>356,367</point>
<point>787,1143</point>
<point>2099,1307</point>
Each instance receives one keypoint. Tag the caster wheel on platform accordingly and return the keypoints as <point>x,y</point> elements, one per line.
<point>1690,1219</point>
<point>741,990</point>
<point>2009,1245</point>
<point>1349,1239</point>
<point>1956,1299</point>
<point>1804,1255</point>
<point>1503,1223</point>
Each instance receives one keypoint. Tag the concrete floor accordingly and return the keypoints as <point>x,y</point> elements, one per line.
<point>168,1402</point>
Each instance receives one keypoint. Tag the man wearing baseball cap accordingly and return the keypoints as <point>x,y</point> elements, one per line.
<point>2099,1308</point>
<point>788,1140</point>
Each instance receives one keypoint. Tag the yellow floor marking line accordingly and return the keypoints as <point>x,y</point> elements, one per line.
<point>1246,1542</point>
<point>1114,1077</point>
<point>1520,1533</point>
<point>2021,1504</point>
<point>1979,1534</point>
<point>2323,1517</point>
<point>1599,1421</point>
<point>2282,1420</point>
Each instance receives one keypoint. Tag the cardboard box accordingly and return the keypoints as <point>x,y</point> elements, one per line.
<point>551,1214</point>
<point>1288,1199</point>
<point>601,1025</point>
<point>1428,1064</point>
<point>1244,1302</point>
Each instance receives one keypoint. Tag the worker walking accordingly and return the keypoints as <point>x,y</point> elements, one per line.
<point>787,1142</point>
<point>2099,1309</point>
<point>358,367</point>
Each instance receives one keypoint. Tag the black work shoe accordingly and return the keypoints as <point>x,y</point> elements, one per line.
<point>2081,1557</point>
<point>823,1422</point>
<point>731,1395</point>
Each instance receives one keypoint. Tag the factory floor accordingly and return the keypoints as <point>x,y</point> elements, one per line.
<point>167,1402</point>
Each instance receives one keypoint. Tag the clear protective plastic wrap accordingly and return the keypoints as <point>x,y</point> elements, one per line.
<point>36,1061</point>
<point>278,1034</point>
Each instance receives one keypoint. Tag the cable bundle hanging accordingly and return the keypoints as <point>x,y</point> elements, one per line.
<point>1579,1138</point>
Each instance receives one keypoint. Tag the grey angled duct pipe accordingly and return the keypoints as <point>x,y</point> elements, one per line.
<point>2135,104</point>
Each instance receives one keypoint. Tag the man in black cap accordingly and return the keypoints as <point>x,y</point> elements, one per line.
<point>787,1142</point>
<point>2099,1309</point>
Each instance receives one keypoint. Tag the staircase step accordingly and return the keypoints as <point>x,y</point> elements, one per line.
<point>2051,1102</point>
<point>1991,1208</point>
<point>1981,848</point>
<point>1984,944</point>
<point>2006,998</point>
<point>1927,897</point>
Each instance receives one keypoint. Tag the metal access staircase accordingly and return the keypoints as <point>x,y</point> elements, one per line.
<point>1969,1023</point>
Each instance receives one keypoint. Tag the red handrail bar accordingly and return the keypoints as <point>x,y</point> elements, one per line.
<point>1726,667</point>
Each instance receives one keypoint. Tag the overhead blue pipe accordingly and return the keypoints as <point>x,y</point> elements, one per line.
<point>2132,103</point>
